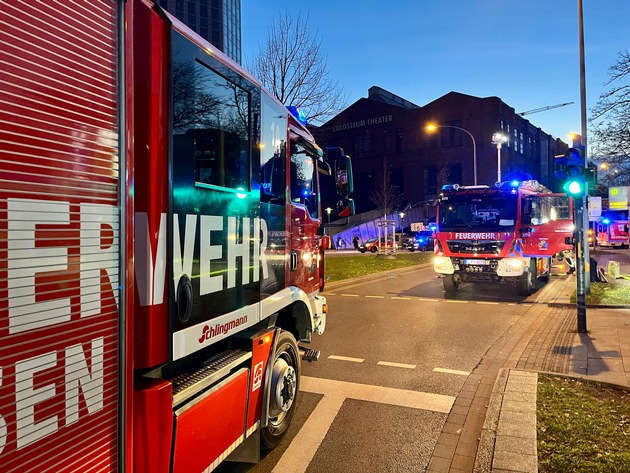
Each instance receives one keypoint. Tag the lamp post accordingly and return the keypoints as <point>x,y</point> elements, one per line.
<point>498,139</point>
<point>328,210</point>
<point>431,127</point>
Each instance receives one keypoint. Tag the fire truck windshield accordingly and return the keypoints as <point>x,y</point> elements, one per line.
<point>477,211</point>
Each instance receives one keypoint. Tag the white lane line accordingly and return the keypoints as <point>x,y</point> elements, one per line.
<point>427,300</point>
<point>349,295</point>
<point>445,370</point>
<point>487,303</point>
<point>376,297</point>
<point>380,394</point>
<point>346,358</point>
<point>330,294</point>
<point>396,365</point>
<point>303,447</point>
<point>457,302</point>
<point>401,298</point>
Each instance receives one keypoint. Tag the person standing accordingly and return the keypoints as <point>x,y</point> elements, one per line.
<point>355,242</point>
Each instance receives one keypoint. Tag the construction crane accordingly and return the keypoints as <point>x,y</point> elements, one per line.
<point>542,109</point>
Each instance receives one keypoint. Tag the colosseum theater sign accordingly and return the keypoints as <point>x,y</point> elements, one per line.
<point>364,122</point>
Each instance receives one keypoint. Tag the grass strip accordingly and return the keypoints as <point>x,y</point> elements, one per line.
<point>582,426</point>
<point>351,266</point>
<point>607,293</point>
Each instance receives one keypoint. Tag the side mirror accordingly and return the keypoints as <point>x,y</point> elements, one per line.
<point>345,207</point>
<point>343,176</point>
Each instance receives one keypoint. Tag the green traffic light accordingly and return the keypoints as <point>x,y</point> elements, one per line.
<point>574,187</point>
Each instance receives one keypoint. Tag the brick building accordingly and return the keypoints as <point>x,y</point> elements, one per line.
<point>387,131</point>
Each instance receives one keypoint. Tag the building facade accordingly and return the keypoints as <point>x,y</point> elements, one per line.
<point>386,132</point>
<point>218,21</point>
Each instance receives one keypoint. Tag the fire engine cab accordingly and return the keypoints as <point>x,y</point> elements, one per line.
<point>161,252</point>
<point>507,233</point>
<point>612,229</point>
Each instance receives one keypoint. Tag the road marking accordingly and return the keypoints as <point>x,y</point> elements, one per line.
<point>396,365</point>
<point>427,300</point>
<point>445,370</point>
<point>380,394</point>
<point>376,297</point>
<point>330,294</point>
<point>346,358</point>
<point>401,298</point>
<point>457,302</point>
<point>349,295</point>
<point>302,449</point>
<point>487,303</point>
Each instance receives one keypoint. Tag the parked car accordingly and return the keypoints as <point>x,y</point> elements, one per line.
<point>372,245</point>
<point>422,241</point>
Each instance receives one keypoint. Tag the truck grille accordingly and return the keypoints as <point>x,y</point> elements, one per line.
<point>475,247</point>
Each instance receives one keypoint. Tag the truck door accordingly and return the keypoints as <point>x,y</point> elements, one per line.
<point>547,220</point>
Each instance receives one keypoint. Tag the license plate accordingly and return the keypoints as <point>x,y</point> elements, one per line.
<point>476,261</point>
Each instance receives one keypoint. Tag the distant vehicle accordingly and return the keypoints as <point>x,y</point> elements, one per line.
<point>612,231</point>
<point>422,241</point>
<point>372,245</point>
<point>502,234</point>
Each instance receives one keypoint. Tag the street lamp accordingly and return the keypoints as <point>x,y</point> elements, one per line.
<point>431,127</point>
<point>498,139</point>
<point>328,210</point>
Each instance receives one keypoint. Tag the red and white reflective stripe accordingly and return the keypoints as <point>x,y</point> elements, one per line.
<point>436,247</point>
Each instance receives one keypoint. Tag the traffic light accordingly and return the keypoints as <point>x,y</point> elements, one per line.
<point>572,170</point>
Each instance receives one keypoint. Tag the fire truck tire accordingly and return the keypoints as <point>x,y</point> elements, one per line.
<point>451,284</point>
<point>526,286</point>
<point>285,376</point>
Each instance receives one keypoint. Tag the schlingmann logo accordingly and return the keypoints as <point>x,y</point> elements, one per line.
<point>220,329</point>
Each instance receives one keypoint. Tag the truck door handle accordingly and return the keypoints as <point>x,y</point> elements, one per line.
<point>293,260</point>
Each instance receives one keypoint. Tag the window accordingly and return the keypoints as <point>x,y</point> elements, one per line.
<point>549,208</point>
<point>210,122</point>
<point>303,179</point>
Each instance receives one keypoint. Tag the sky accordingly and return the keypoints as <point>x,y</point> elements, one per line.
<point>525,52</point>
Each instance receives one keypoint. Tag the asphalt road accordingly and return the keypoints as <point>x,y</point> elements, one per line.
<point>395,354</point>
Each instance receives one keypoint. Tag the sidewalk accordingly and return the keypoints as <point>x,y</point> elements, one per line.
<point>492,426</point>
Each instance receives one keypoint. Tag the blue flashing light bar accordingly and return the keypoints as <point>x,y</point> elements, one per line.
<point>298,114</point>
<point>606,221</point>
<point>515,183</point>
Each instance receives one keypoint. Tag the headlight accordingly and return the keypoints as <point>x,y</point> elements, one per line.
<point>441,260</point>
<point>514,263</point>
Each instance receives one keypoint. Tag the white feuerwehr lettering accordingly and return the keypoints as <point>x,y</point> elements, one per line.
<point>26,259</point>
<point>95,256</point>
<point>261,249</point>
<point>78,373</point>
<point>150,272</point>
<point>208,252</point>
<point>149,276</point>
<point>182,262</point>
<point>27,397</point>
<point>235,250</point>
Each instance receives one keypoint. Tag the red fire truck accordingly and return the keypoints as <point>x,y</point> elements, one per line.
<point>159,247</point>
<point>502,234</point>
<point>612,229</point>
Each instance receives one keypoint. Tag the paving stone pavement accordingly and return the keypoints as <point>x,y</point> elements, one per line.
<point>492,426</point>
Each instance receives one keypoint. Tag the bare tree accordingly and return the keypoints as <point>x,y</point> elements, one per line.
<point>385,195</point>
<point>291,65</point>
<point>611,117</point>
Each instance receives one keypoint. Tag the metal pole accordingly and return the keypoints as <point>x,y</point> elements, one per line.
<point>498,162</point>
<point>579,267</point>
<point>585,225</point>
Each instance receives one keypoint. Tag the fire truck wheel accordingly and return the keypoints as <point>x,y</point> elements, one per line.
<point>451,284</point>
<point>527,284</point>
<point>285,377</point>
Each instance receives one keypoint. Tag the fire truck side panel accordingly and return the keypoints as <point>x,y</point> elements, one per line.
<point>212,427</point>
<point>151,99</point>
<point>59,274</point>
<point>153,425</point>
<point>215,212</point>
